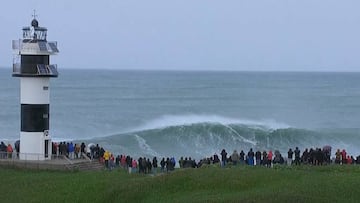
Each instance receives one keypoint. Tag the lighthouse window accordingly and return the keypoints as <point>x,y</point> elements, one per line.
<point>45,88</point>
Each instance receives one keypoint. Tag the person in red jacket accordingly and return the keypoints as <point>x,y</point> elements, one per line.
<point>343,156</point>
<point>349,160</point>
<point>270,155</point>
<point>9,151</point>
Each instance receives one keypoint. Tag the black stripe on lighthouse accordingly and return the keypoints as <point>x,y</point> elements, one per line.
<point>34,117</point>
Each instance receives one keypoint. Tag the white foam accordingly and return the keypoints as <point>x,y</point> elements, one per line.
<point>144,146</point>
<point>239,137</point>
<point>178,120</point>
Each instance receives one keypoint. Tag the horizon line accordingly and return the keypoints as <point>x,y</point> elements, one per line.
<point>203,70</point>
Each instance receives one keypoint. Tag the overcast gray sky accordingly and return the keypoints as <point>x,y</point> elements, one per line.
<point>289,35</point>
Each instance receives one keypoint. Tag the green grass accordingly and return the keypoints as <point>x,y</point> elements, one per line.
<point>211,184</point>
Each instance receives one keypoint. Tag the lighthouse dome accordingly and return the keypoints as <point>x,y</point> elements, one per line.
<point>34,23</point>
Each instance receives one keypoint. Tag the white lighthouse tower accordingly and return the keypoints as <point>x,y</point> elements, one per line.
<point>32,66</point>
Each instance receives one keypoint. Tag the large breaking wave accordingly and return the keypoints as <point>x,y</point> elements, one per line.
<point>202,136</point>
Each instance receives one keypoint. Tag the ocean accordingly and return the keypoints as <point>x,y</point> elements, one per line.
<point>195,113</point>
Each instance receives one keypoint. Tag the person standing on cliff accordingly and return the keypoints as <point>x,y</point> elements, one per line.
<point>223,158</point>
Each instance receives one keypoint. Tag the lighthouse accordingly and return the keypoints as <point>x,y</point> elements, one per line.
<point>32,65</point>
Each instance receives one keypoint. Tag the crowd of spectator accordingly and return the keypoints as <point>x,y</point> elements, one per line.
<point>312,156</point>
<point>146,165</point>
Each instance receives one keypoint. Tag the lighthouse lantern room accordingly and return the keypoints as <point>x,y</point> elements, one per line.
<point>32,66</point>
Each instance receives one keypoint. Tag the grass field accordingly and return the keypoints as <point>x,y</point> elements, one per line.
<point>211,184</point>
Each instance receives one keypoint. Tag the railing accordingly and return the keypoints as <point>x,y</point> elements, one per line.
<point>43,69</point>
<point>28,156</point>
<point>18,45</point>
<point>17,68</point>
<point>35,161</point>
<point>40,70</point>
